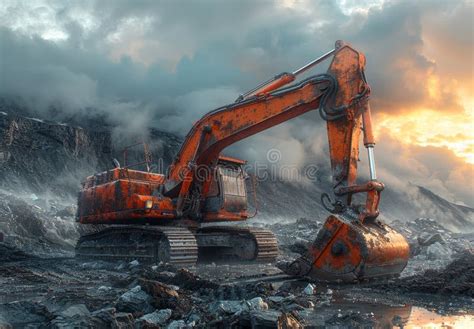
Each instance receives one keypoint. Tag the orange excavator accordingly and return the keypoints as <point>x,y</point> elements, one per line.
<point>166,218</point>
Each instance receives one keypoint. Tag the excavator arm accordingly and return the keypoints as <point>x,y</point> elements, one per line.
<point>341,96</point>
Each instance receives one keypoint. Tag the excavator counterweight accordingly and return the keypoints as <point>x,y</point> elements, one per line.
<point>166,218</point>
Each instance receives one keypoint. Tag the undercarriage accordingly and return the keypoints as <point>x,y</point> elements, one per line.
<point>179,245</point>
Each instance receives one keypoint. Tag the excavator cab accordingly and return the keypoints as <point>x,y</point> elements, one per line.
<point>227,196</point>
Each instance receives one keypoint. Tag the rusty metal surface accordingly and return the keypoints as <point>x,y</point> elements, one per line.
<point>248,243</point>
<point>120,194</point>
<point>347,250</point>
<point>343,134</point>
<point>235,122</point>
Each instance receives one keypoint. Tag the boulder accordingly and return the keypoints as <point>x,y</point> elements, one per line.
<point>438,251</point>
<point>75,316</point>
<point>227,307</point>
<point>427,239</point>
<point>257,303</point>
<point>157,289</point>
<point>123,321</point>
<point>23,313</point>
<point>103,318</point>
<point>267,319</point>
<point>133,263</point>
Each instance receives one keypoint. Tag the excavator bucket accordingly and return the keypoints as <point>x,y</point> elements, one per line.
<point>347,250</point>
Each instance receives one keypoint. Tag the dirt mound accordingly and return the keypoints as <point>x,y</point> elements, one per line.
<point>456,278</point>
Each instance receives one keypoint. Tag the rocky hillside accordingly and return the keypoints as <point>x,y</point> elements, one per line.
<point>281,201</point>
<point>44,156</point>
<point>41,156</point>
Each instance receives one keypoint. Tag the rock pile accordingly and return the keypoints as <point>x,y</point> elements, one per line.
<point>156,297</point>
<point>455,279</point>
<point>38,225</point>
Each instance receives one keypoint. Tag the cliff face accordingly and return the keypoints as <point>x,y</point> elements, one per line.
<point>41,156</point>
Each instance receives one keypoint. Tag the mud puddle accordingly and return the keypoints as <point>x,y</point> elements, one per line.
<point>375,315</point>
<point>356,305</point>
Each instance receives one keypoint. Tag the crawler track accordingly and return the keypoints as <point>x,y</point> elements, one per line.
<point>247,243</point>
<point>177,245</point>
<point>267,244</point>
<point>153,244</point>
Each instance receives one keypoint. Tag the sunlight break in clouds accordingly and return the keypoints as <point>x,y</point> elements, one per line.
<point>425,127</point>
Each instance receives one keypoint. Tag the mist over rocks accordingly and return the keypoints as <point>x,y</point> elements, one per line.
<point>42,165</point>
<point>39,156</point>
<point>43,162</point>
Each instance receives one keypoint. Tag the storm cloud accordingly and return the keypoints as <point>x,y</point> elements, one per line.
<point>166,63</point>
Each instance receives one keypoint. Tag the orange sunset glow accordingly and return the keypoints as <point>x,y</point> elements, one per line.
<point>425,127</point>
<point>434,125</point>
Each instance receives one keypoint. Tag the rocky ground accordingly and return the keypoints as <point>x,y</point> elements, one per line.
<point>64,292</point>
<point>43,285</point>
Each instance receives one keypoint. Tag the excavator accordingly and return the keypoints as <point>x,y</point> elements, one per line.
<point>172,217</point>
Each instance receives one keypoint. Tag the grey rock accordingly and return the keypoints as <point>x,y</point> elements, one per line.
<point>264,319</point>
<point>135,300</point>
<point>194,318</point>
<point>276,299</point>
<point>104,289</point>
<point>75,316</point>
<point>103,317</point>
<point>257,303</point>
<point>23,313</point>
<point>123,321</point>
<point>133,263</point>
<point>227,306</point>
<point>309,289</point>
<point>75,311</point>
<point>438,251</point>
<point>178,324</point>
<point>158,317</point>
<point>237,307</point>
<point>109,318</point>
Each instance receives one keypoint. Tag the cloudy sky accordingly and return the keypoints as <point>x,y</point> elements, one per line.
<point>165,63</point>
